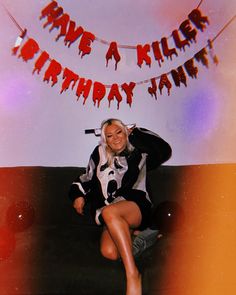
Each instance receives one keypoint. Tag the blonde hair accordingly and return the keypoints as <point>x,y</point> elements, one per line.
<point>109,153</point>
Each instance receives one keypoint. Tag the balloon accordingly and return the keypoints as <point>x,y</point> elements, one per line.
<point>20,216</point>
<point>167,217</point>
<point>7,243</point>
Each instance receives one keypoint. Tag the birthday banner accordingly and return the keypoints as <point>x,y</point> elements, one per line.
<point>75,33</point>
<point>72,33</point>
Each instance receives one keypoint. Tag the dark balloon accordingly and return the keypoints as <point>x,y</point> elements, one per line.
<point>7,243</point>
<point>168,217</point>
<point>20,216</point>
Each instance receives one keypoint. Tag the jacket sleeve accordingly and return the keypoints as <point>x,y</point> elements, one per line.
<point>81,186</point>
<point>157,149</point>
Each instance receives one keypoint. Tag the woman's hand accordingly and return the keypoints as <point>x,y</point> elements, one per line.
<point>79,205</point>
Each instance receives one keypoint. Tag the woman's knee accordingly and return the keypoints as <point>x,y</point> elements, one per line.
<point>108,213</point>
<point>126,210</point>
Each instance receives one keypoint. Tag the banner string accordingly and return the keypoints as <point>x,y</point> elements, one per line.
<point>13,19</point>
<point>209,45</point>
<point>200,3</point>
<point>132,46</point>
<point>224,27</point>
<point>102,41</point>
<point>23,34</point>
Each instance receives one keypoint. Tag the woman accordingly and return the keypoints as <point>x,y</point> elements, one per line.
<point>114,182</point>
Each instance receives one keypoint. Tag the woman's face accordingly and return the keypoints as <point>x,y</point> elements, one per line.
<point>116,138</point>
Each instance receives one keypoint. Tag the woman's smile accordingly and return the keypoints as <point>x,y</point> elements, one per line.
<point>116,138</point>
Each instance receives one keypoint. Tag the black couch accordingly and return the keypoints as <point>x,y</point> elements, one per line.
<point>59,253</point>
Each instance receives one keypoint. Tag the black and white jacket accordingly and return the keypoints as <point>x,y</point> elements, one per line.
<point>126,176</point>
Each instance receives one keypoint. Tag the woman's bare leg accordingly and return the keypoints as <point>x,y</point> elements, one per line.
<point>116,239</point>
<point>107,246</point>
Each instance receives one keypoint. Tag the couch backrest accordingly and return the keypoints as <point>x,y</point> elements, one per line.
<point>46,189</point>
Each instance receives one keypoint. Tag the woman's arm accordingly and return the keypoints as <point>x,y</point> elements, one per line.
<point>157,149</point>
<point>83,183</point>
